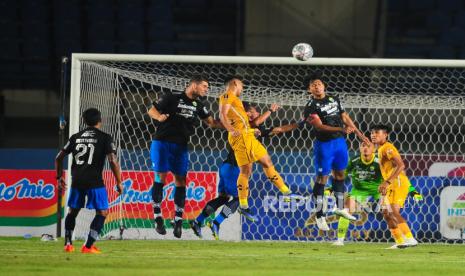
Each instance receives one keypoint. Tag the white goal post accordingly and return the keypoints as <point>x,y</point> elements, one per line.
<point>422,100</point>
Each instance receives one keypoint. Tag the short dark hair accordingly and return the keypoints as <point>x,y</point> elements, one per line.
<point>233,77</point>
<point>248,106</point>
<point>386,128</point>
<point>317,75</point>
<point>92,116</point>
<point>198,78</point>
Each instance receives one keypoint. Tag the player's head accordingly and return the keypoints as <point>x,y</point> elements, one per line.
<point>315,85</point>
<point>379,133</point>
<point>235,83</point>
<point>251,111</point>
<point>92,117</point>
<point>367,149</point>
<point>198,84</point>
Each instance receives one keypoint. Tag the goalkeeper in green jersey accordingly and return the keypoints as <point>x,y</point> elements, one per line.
<point>366,176</point>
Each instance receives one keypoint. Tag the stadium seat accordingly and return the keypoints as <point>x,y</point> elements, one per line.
<point>130,30</point>
<point>133,10</point>
<point>36,49</point>
<point>67,30</point>
<point>438,21</point>
<point>38,10</point>
<point>9,9</point>
<point>161,47</point>
<point>421,5</point>
<point>10,49</point>
<point>131,47</point>
<point>101,30</point>
<point>160,11</point>
<point>160,31</point>
<point>462,53</point>
<point>443,52</point>
<point>450,6</point>
<point>101,46</point>
<point>453,37</point>
<point>64,47</point>
<point>101,10</point>
<point>9,28</point>
<point>33,29</point>
<point>460,19</point>
<point>69,10</point>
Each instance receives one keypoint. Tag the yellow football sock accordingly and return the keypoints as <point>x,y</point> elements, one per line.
<point>276,179</point>
<point>397,235</point>
<point>243,190</point>
<point>405,230</point>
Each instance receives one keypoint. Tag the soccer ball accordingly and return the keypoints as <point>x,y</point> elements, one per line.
<point>302,51</point>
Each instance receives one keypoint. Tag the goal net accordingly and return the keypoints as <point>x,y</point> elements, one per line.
<point>423,101</point>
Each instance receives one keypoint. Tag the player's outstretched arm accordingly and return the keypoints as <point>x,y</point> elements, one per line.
<point>213,123</point>
<point>348,122</point>
<point>156,115</point>
<point>116,169</point>
<point>315,121</point>
<point>265,115</point>
<point>284,128</point>
<point>224,109</point>
<point>59,168</point>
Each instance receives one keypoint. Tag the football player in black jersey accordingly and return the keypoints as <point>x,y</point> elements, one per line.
<point>176,114</point>
<point>331,124</point>
<point>89,147</point>
<point>229,172</point>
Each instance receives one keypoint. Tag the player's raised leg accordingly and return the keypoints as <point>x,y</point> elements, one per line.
<point>243,192</point>
<point>210,208</point>
<point>228,209</point>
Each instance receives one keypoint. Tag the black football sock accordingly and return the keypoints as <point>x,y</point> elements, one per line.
<point>95,228</point>
<point>211,208</point>
<point>318,192</point>
<point>179,202</point>
<point>70,223</point>
<point>157,197</point>
<point>338,189</point>
<point>228,209</point>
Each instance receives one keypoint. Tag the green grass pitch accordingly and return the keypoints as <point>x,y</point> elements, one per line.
<point>20,256</point>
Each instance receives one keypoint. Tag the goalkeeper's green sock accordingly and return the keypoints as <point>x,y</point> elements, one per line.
<point>342,228</point>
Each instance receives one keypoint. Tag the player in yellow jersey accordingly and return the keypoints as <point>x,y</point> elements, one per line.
<point>394,188</point>
<point>247,149</point>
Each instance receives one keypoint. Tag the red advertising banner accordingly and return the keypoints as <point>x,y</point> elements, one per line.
<point>28,197</point>
<point>136,202</point>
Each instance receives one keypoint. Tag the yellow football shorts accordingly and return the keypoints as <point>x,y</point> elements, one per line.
<point>397,191</point>
<point>247,149</point>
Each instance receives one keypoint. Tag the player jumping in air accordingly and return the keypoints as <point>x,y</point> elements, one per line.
<point>229,173</point>
<point>394,188</point>
<point>89,147</point>
<point>176,114</point>
<point>365,174</point>
<point>247,149</point>
<point>331,123</point>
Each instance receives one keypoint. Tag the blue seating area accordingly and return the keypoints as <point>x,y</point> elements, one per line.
<point>36,33</point>
<point>425,29</point>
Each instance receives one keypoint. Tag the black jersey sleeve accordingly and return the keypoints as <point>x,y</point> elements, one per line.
<point>341,108</point>
<point>264,131</point>
<point>68,148</point>
<point>202,110</point>
<point>163,102</point>
<point>310,108</point>
<point>110,146</point>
